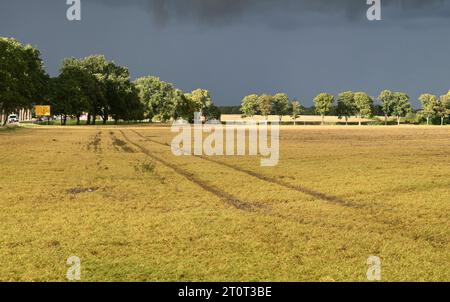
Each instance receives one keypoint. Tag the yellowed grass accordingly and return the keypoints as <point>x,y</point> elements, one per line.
<point>119,200</point>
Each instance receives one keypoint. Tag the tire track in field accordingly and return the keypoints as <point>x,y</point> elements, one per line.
<point>298,188</point>
<point>224,196</point>
<point>301,189</point>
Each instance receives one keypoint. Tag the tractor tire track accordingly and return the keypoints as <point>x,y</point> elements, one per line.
<point>332,199</point>
<point>298,188</point>
<point>222,195</point>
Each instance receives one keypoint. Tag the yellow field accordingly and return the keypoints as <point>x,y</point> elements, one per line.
<point>119,200</point>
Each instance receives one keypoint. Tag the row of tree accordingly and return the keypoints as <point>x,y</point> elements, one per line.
<point>348,104</point>
<point>22,76</point>
<point>265,105</point>
<point>92,85</point>
<point>101,88</point>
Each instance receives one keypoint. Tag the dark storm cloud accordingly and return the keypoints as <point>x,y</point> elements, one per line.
<point>222,12</point>
<point>238,47</point>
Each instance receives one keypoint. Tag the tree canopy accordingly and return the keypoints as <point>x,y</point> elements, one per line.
<point>296,110</point>
<point>101,88</point>
<point>250,105</point>
<point>323,103</point>
<point>23,81</point>
<point>280,105</point>
<point>363,105</point>
<point>265,104</point>
<point>346,106</point>
<point>428,102</point>
<point>400,105</point>
<point>386,98</point>
<point>97,86</point>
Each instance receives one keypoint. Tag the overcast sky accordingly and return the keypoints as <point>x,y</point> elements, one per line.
<point>239,47</point>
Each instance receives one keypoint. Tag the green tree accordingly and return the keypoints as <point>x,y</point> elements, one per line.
<point>163,101</point>
<point>443,107</point>
<point>363,105</point>
<point>250,105</point>
<point>400,106</point>
<point>111,93</point>
<point>73,91</point>
<point>386,98</point>
<point>213,112</point>
<point>203,101</point>
<point>323,103</point>
<point>97,66</point>
<point>116,84</point>
<point>185,107</point>
<point>122,97</point>
<point>280,105</point>
<point>346,105</point>
<point>428,102</point>
<point>296,111</point>
<point>265,105</point>
<point>124,103</point>
<point>23,80</point>
<point>157,97</point>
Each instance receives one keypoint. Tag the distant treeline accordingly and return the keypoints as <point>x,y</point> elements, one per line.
<point>92,85</point>
<point>102,89</point>
<point>347,104</point>
<point>311,110</point>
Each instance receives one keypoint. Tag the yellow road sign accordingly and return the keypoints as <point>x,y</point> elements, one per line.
<point>42,110</point>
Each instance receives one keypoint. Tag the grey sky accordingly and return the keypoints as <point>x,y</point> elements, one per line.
<point>238,47</point>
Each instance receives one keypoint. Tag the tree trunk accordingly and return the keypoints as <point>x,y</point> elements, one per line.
<point>346,121</point>
<point>398,120</point>
<point>385,119</point>
<point>5,116</point>
<point>105,120</point>
<point>88,120</point>
<point>65,120</point>
<point>442,121</point>
<point>323,120</point>
<point>94,119</point>
<point>360,122</point>
<point>428,121</point>
<point>78,119</point>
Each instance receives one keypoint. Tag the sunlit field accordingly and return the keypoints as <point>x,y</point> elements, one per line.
<point>119,200</point>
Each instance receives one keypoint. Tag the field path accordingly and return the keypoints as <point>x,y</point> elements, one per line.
<point>228,198</point>
<point>296,187</point>
<point>365,212</point>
